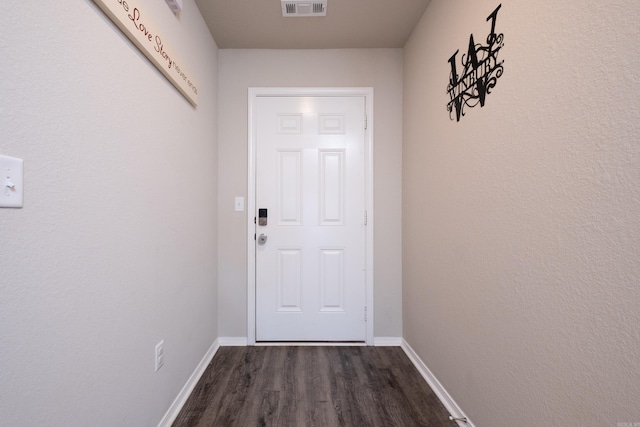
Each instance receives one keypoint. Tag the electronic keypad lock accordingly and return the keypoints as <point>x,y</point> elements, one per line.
<point>262,217</point>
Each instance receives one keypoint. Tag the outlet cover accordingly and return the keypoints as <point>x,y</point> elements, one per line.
<point>159,358</point>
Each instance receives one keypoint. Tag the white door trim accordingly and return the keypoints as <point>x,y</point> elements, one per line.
<point>256,92</point>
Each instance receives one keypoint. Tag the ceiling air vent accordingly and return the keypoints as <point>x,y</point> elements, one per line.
<point>304,8</point>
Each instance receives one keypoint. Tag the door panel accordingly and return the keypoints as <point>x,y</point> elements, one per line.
<point>310,272</point>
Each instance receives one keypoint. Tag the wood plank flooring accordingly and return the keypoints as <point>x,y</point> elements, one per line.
<point>312,386</point>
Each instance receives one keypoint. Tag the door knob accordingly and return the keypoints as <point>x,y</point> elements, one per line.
<point>262,239</point>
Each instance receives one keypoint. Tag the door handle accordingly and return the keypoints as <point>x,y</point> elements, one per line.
<point>262,239</point>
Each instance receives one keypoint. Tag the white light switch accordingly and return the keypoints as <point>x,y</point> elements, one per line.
<point>10,182</point>
<point>239,204</point>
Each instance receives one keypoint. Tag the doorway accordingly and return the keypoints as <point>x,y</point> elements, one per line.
<point>310,216</point>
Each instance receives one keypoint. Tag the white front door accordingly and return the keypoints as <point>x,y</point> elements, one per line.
<point>310,190</point>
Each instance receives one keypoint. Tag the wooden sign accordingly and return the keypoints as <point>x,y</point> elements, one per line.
<point>140,29</point>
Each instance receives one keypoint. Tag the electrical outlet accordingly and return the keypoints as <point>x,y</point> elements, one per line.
<point>159,355</point>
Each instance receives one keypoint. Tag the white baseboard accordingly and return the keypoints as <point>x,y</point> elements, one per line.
<point>309,344</point>
<point>242,342</point>
<point>184,394</point>
<point>437,387</point>
<point>233,341</point>
<point>387,341</point>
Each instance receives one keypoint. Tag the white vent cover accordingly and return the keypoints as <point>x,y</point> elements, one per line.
<point>303,8</point>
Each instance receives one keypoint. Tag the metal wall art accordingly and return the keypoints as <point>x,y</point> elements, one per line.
<point>480,72</point>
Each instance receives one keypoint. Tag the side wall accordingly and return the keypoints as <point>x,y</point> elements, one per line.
<point>379,68</point>
<point>115,248</point>
<point>521,225</point>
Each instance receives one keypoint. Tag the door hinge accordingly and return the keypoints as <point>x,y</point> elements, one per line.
<point>366,121</point>
<point>365,313</point>
<point>366,219</point>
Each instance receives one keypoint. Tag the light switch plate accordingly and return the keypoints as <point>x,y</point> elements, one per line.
<point>11,182</point>
<point>239,204</point>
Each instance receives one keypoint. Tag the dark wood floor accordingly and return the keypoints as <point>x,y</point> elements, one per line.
<point>312,386</point>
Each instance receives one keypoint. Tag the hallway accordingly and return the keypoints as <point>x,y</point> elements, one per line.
<point>505,245</point>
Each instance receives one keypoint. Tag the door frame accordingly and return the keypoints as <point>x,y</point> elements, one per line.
<point>257,92</point>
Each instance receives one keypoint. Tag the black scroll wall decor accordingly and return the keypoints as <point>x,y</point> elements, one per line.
<point>480,72</point>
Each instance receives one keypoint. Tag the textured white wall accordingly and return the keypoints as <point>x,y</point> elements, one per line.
<point>379,68</point>
<point>115,248</point>
<point>521,225</point>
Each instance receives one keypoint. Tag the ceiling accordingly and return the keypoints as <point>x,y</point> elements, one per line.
<point>259,24</point>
